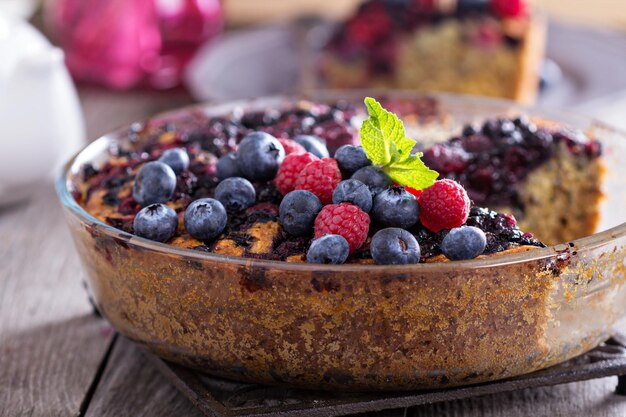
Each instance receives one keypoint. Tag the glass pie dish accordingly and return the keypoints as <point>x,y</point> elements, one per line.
<point>362,327</point>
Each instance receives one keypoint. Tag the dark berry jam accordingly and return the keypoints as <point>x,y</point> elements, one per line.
<point>500,229</point>
<point>491,161</point>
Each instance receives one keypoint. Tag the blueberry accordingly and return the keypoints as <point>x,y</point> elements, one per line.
<point>395,207</point>
<point>491,128</point>
<point>521,121</point>
<point>227,167</point>
<point>507,127</point>
<point>298,211</point>
<point>155,183</point>
<point>205,218</point>
<point>235,193</point>
<point>376,180</point>
<point>355,192</point>
<point>472,5</point>
<point>351,158</point>
<point>469,130</point>
<point>156,222</point>
<point>177,159</point>
<point>328,249</point>
<point>259,156</point>
<point>465,242</point>
<point>394,246</point>
<point>313,144</point>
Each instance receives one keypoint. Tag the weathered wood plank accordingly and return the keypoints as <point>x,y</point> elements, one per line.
<point>132,386</point>
<point>50,342</point>
<point>580,399</point>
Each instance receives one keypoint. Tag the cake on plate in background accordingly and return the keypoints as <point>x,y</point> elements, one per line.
<point>482,47</point>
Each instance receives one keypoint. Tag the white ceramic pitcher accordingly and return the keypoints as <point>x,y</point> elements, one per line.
<point>41,122</point>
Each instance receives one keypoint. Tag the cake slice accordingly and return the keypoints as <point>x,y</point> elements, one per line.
<point>491,48</point>
<point>548,176</point>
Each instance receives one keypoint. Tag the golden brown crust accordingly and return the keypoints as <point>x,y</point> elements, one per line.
<point>228,247</point>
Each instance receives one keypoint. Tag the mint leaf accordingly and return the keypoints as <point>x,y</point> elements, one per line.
<point>379,132</point>
<point>404,146</point>
<point>412,172</point>
<point>384,140</point>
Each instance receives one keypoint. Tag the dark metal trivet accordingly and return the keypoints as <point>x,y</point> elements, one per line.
<point>217,397</point>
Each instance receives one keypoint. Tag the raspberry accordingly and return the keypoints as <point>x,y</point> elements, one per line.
<point>291,146</point>
<point>343,219</point>
<point>370,25</point>
<point>509,8</point>
<point>290,170</point>
<point>444,205</point>
<point>320,177</point>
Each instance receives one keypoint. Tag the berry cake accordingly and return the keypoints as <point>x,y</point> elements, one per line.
<point>263,185</point>
<point>548,177</point>
<point>481,47</point>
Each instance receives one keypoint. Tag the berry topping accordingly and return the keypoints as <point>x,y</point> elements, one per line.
<point>501,230</point>
<point>320,177</point>
<point>491,160</point>
<point>235,193</point>
<point>465,242</point>
<point>469,130</point>
<point>227,167</point>
<point>351,158</point>
<point>205,218</point>
<point>259,156</point>
<point>375,179</point>
<point>291,169</point>
<point>176,158</point>
<point>446,158</point>
<point>298,211</point>
<point>346,220</point>
<point>313,144</point>
<point>291,146</point>
<point>444,205</point>
<point>355,192</point>
<point>155,183</point>
<point>394,246</point>
<point>335,133</point>
<point>395,207</point>
<point>276,207</point>
<point>156,222</point>
<point>371,24</point>
<point>472,5</point>
<point>509,8</point>
<point>328,249</point>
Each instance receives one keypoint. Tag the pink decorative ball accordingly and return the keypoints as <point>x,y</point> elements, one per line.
<point>124,44</point>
